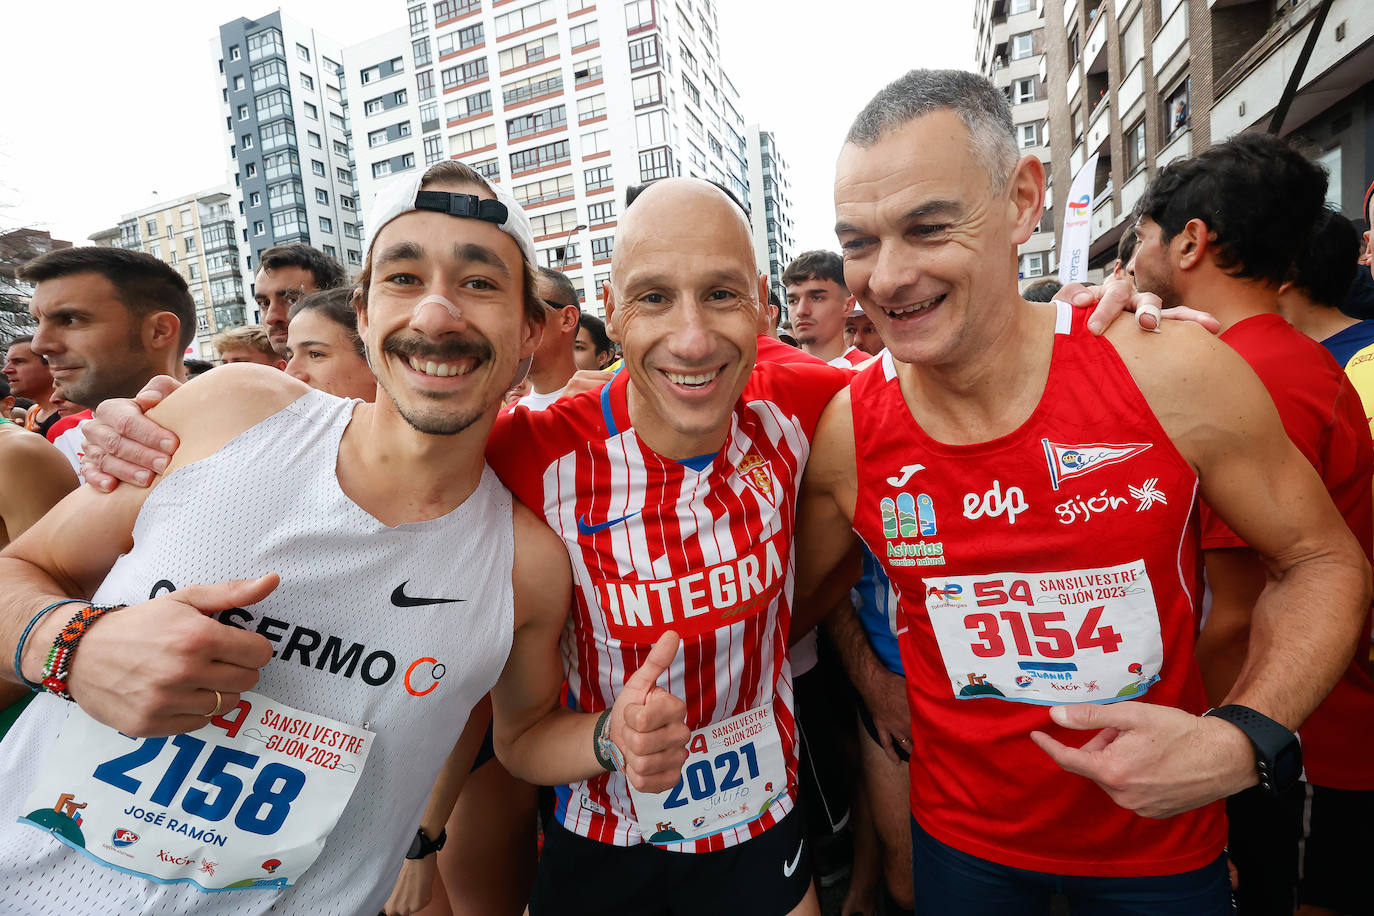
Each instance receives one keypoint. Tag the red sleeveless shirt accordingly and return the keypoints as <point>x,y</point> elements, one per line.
<point>1056,564</point>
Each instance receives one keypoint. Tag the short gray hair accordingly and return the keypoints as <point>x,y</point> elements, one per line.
<point>979,104</point>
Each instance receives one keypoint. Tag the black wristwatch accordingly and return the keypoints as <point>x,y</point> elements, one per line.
<point>1278,754</point>
<point>422,845</point>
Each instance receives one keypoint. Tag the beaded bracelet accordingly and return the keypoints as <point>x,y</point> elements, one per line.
<point>24,638</point>
<point>64,648</point>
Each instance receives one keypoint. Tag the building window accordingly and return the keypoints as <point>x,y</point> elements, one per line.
<point>424,84</point>
<point>1074,49</point>
<point>539,156</point>
<point>250,170</point>
<point>347,203</point>
<point>1032,265</point>
<point>417,18</point>
<point>536,122</point>
<point>343,175</point>
<point>340,148</point>
<point>238,84</point>
<point>591,107</point>
<point>586,72</point>
<point>381,169</point>
<point>243,112</point>
<point>307,82</point>
<point>452,9</point>
<point>1135,146</point>
<point>603,212</point>
<point>289,223</point>
<point>598,141</point>
<point>469,140</point>
<point>285,194</point>
<point>579,36</point>
<point>281,165</point>
<point>255,199</point>
<point>326,224</point>
<point>654,163</point>
<point>525,17</point>
<point>598,178</point>
<point>351,230</point>
<point>531,52</point>
<point>330,249</point>
<point>531,88</point>
<point>266,43</point>
<point>1023,91</point>
<point>539,192</point>
<point>235,55</point>
<point>420,52</point>
<point>462,39</point>
<point>317,167</point>
<point>647,90</point>
<point>469,106</point>
<point>1021,46</point>
<point>644,52</point>
<point>489,169</point>
<point>268,75</point>
<point>274,104</point>
<point>1028,135</point>
<point>354,257</point>
<point>651,128</point>
<point>258,228</point>
<point>314,139</point>
<point>639,14</point>
<point>559,256</point>
<point>467,72</point>
<point>1022,6</point>
<point>434,149</point>
<point>303,52</point>
<point>311,111</point>
<point>321,196</point>
<point>553,223</point>
<point>601,248</point>
<point>1176,109</point>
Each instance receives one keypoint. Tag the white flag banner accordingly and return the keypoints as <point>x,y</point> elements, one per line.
<point>1078,218</point>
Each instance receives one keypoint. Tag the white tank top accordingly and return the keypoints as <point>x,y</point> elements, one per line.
<point>269,501</point>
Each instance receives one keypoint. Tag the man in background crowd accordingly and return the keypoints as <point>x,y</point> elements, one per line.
<point>29,377</point>
<point>247,343</point>
<point>817,302</point>
<point>285,273</point>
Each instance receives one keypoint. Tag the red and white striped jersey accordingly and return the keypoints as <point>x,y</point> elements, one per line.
<point>657,545</point>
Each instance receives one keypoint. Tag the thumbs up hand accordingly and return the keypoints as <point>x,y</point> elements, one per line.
<point>648,723</point>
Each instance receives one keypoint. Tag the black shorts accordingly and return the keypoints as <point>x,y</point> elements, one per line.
<point>824,703</point>
<point>764,876</point>
<point>1338,848</point>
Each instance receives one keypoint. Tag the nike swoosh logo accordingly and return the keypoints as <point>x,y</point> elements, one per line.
<point>789,867</point>
<point>584,528</point>
<point>401,599</point>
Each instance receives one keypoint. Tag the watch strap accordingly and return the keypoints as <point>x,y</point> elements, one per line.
<point>422,845</point>
<point>1278,753</point>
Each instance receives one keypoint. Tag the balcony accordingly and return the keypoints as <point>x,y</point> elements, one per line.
<point>1132,190</point>
<point>1104,215</point>
<point>1180,146</point>
<point>1170,38</point>
<point>1100,127</point>
<point>1072,83</point>
<point>1131,89</point>
<point>1076,159</point>
<point>1095,51</point>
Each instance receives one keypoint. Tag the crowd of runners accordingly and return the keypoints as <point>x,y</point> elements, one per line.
<point>454,599</point>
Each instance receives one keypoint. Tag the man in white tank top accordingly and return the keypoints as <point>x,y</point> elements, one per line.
<point>312,707</point>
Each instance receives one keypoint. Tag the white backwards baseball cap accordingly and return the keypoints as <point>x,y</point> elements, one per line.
<point>404,195</point>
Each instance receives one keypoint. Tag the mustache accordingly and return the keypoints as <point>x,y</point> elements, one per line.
<point>415,346</point>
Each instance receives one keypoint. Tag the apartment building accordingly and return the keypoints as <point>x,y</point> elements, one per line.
<point>568,104</point>
<point>287,136</point>
<point>1144,82</point>
<point>1010,50</point>
<point>770,202</point>
<point>198,234</point>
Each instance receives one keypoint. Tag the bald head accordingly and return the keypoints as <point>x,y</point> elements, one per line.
<point>690,211</point>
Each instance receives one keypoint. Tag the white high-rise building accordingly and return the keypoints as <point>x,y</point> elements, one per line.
<point>770,202</point>
<point>288,139</point>
<point>568,104</point>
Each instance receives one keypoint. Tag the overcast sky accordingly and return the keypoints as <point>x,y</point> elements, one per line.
<point>107,103</point>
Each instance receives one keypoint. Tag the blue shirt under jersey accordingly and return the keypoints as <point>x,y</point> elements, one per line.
<point>1345,344</point>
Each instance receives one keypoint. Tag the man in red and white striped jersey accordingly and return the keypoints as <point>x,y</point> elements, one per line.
<point>674,488</point>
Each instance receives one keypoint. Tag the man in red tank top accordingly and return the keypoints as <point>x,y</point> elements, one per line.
<point>1222,229</point>
<point>1030,491</point>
